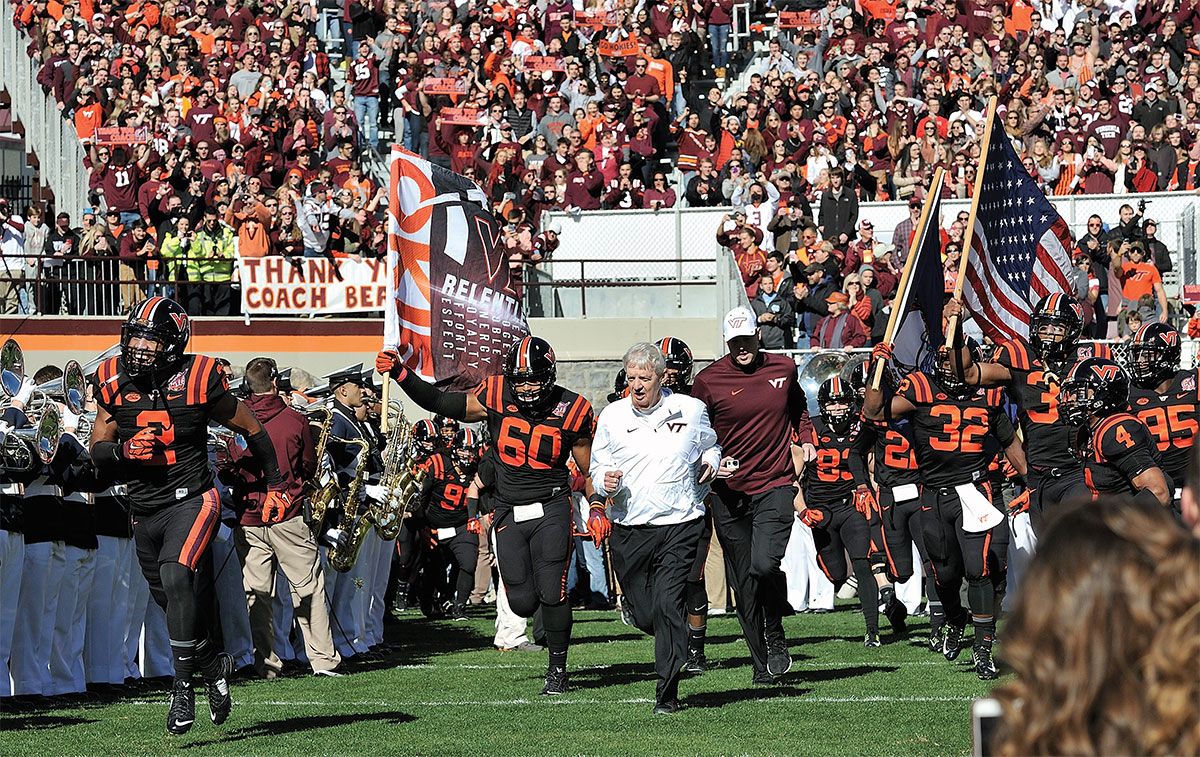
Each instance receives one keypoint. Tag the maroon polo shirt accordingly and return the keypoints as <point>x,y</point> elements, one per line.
<point>755,413</point>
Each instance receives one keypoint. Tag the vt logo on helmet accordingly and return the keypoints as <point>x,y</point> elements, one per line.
<point>154,337</point>
<point>1154,354</point>
<point>1055,326</point>
<point>1096,386</point>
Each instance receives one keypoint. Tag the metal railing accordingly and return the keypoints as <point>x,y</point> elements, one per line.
<point>48,134</point>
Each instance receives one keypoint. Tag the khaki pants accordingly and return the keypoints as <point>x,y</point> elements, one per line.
<point>10,292</point>
<point>291,546</point>
<point>131,294</point>
<point>483,572</point>
<point>714,576</point>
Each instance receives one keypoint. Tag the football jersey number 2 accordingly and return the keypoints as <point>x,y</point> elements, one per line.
<point>164,429</point>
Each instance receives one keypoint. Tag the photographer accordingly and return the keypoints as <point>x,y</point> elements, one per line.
<point>12,258</point>
<point>1139,277</point>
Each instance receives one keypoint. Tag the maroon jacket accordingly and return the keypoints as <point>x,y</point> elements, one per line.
<point>294,447</point>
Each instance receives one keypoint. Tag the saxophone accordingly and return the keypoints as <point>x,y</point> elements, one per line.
<point>354,519</point>
<point>401,479</point>
<point>319,496</point>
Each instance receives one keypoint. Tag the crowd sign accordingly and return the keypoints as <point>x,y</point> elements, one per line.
<point>444,86</point>
<point>624,48</point>
<point>274,286</point>
<point>122,135</point>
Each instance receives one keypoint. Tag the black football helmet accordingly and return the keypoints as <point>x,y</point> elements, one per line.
<point>835,391</point>
<point>425,438</point>
<point>467,448</point>
<point>447,428</point>
<point>620,387</point>
<point>1095,386</point>
<point>946,374</point>
<point>860,375</point>
<point>531,361</point>
<point>1154,354</point>
<point>159,320</point>
<point>1061,310</point>
<point>679,363</point>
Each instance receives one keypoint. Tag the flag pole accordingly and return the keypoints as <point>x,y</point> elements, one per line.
<point>913,249</point>
<point>390,326</point>
<point>969,232</point>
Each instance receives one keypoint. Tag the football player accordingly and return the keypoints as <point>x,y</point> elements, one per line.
<point>951,423</point>
<point>453,535</point>
<point>1032,371</point>
<point>1118,453</point>
<point>154,405</point>
<point>425,440</point>
<point>837,500</point>
<point>620,387</point>
<point>678,378</point>
<point>1165,398</point>
<point>535,425</point>
<point>446,428</point>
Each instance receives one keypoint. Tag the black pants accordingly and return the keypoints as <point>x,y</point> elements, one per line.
<point>901,528</point>
<point>697,594</point>
<point>955,554</point>
<point>173,551</point>
<point>652,564</point>
<point>1050,488</point>
<point>844,530</point>
<point>459,553</point>
<point>754,532</point>
<point>533,555</point>
<point>213,298</point>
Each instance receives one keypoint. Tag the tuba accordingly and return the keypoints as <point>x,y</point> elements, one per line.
<point>26,449</point>
<point>354,519</point>
<point>821,366</point>
<point>320,490</point>
<point>401,480</point>
<point>12,369</point>
<point>69,389</point>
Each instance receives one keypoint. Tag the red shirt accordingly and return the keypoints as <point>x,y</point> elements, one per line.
<point>365,73</point>
<point>755,414</point>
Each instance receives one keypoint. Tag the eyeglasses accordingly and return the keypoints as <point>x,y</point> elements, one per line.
<point>1094,224</point>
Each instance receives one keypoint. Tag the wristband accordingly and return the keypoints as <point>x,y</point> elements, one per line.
<point>472,507</point>
<point>106,455</point>
<point>596,500</point>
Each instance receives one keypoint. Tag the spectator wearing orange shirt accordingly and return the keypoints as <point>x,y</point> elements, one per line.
<point>1139,277</point>
<point>89,115</point>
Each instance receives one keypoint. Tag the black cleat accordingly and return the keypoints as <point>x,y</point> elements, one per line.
<point>669,707</point>
<point>871,639</point>
<point>182,712</point>
<point>981,655</point>
<point>626,615</point>
<point>556,681</point>
<point>952,642</point>
<point>696,662</point>
<point>219,700</point>
<point>763,678</point>
<point>936,637</point>
<point>778,659</point>
<point>894,610</point>
<point>459,612</point>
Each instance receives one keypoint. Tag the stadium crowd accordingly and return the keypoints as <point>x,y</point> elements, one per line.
<point>260,123</point>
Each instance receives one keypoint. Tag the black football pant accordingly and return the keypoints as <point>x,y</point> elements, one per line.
<point>172,547</point>
<point>754,532</point>
<point>1051,487</point>
<point>459,553</point>
<point>533,557</point>
<point>955,554</point>
<point>697,594</point>
<point>653,564</point>
<point>901,528</point>
<point>843,530</point>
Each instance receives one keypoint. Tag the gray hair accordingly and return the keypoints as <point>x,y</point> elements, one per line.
<point>645,355</point>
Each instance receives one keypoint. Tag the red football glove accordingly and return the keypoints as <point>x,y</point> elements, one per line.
<point>388,363</point>
<point>864,502</point>
<point>275,506</point>
<point>812,517</point>
<point>474,526</point>
<point>1020,504</point>
<point>598,525</point>
<point>142,445</point>
<point>882,351</point>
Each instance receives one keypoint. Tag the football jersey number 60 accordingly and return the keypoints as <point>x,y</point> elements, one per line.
<point>519,443</point>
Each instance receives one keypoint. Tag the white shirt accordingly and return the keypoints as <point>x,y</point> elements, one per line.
<point>659,452</point>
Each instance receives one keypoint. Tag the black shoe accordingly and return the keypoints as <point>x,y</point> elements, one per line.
<point>894,610</point>
<point>936,637</point>
<point>626,615</point>
<point>981,655</point>
<point>182,712</point>
<point>952,642</point>
<point>763,678</point>
<point>696,662</point>
<point>556,682</point>
<point>400,603</point>
<point>459,612</point>
<point>219,700</point>
<point>669,707</point>
<point>871,639</point>
<point>778,659</point>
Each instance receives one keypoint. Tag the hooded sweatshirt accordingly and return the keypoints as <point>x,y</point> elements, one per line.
<point>294,446</point>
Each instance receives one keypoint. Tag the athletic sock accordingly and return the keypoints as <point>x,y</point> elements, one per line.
<point>696,637</point>
<point>206,659</point>
<point>868,594</point>
<point>556,619</point>
<point>184,655</point>
<point>558,658</point>
<point>985,627</point>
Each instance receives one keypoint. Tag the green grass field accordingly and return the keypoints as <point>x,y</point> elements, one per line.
<point>446,691</point>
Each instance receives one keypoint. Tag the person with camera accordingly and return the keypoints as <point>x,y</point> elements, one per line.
<point>1139,277</point>
<point>12,258</point>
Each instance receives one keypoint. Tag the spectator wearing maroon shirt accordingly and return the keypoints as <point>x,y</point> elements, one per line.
<point>239,18</point>
<point>200,118</point>
<point>841,329</point>
<point>758,411</point>
<point>117,180</point>
<point>585,185</point>
<point>364,75</point>
<point>659,195</point>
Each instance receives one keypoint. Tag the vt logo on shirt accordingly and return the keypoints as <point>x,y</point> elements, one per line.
<point>778,382</point>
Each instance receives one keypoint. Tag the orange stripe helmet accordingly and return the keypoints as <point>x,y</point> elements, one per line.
<point>154,337</point>
<point>530,369</point>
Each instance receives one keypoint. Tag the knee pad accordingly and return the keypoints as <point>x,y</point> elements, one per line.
<point>522,602</point>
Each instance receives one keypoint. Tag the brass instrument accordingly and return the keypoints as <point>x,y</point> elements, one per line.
<point>26,449</point>
<point>321,489</point>
<point>220,439</point>
<point>821,366</point>
<point>69,389</point>
<point>12,369</point>
<point>354,520</point>
<point>87,421</point>
<point>401,480</point>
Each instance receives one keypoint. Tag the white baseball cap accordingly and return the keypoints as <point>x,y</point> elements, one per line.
<point>739,322</point>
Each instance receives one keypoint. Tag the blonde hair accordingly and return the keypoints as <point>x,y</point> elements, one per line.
<point>1105,637</point>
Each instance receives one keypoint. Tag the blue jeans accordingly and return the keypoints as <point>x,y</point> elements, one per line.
<point>366,110</point>
<point>129,218</point>
<point>593,560</point>
<point>719,36</point>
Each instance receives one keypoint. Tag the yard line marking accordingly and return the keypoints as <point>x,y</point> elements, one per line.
<point>572,667</point>
<point>802,699</point>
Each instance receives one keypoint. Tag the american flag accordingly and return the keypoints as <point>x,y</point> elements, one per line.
<point>1020,249</point>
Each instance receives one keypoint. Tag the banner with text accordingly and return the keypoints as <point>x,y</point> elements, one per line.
<point>275,286</point>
